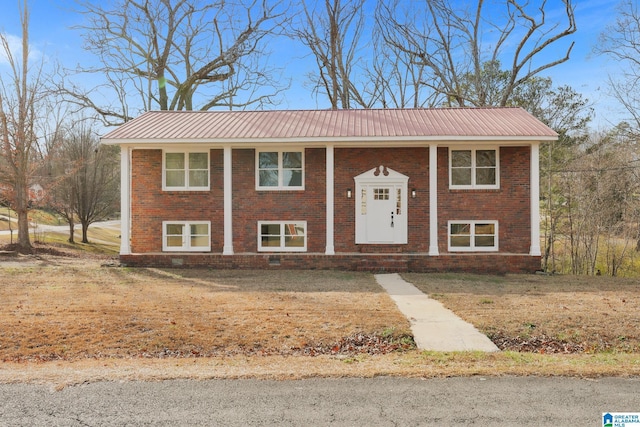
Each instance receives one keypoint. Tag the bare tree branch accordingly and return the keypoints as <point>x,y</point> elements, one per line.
<point>178,54</point>
<point>448,41</point>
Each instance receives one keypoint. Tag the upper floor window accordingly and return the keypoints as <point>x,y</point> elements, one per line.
<point>186,171</point>
<point>279,170</point>
<point>474,168</point>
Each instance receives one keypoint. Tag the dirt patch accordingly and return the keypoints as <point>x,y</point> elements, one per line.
<point>50,255</point>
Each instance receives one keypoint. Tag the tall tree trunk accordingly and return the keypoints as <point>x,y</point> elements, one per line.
<point>72,227</point>
<point>22,210</point>
<point>85,229</point>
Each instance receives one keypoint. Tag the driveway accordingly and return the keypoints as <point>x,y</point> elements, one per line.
<point>505,401</point>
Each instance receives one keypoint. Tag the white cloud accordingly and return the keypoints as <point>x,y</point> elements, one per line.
<point>15,46</point>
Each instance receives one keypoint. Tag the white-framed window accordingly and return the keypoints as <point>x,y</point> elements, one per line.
<point>474,168</point>
<point>282,236</point>
<point>473,236</point>
<point>185,171</point>
<point>280,170</point>
<point>186,236</point>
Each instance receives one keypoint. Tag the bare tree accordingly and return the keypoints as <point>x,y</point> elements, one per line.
<point>462,47</point>
<point>332,30</point>
<point>20,94</point>
<point>177,55</point>
<point>86,179</point>
<point>394,78</point>
<point>621,42</point>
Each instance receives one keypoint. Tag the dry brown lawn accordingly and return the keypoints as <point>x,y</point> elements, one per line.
<point>72,312</point>
<point>66,320</point>
<point>566,314</point>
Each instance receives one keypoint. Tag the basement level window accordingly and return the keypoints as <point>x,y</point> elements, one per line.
<point>473,236</point>
<point>282,236</point>
<point>186,236</point>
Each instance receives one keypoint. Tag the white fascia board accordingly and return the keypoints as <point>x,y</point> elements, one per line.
<point>337,142</point>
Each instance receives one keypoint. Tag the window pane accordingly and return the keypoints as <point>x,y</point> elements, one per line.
<point>198,178</point>
<point>485,229</point>
<point>461,176</point>
<point>174,235</point>
<point>294,235</point>
<point>292,160</point>
<point>175,178</point>
<point>198,161</point>
<point>270,229</point>
<point>294,241</point>
<point>461,158</point>
<point>485,176</point>
<point>199,229</point>
<point>363,202</point>
<point>271,241</point>
<point>175,160</point>
<point>292,178</point>
<point>380,194</point>
<point>175,229</point>
<point>485,158</point>
<point>460,241</point>
<point>174,241</point>
<point>268,178</point>
<point>268,160</point>
<point>460,229</point>
<point>484,241</point>
<point>199,241</point>
<point>294,229</point>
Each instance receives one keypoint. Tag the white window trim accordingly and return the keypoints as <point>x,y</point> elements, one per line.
<point>186,238</point>
<point>472,247</point>
<point>473,185</point>
<point>186,171</point>
<point>279,187</point>
<point>282,247</point>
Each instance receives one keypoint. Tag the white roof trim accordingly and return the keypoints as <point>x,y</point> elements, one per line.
<point>348,141</point>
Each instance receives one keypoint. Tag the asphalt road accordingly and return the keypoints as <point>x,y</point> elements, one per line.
<point>511,401</point>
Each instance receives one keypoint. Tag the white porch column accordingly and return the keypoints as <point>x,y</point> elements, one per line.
<point>125,200</point>
<point>433,200</point>
<point>330,249</point>
<point>228,202</point>
<point>535,200</point>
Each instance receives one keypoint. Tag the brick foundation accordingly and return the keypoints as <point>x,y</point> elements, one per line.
<point>472,263</point>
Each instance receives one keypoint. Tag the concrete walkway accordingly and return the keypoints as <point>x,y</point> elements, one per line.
<point>434,327</point>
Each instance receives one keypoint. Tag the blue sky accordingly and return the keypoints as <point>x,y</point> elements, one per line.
<point>52,37</point>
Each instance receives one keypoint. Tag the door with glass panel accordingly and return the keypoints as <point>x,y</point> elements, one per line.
<point>381,208</point>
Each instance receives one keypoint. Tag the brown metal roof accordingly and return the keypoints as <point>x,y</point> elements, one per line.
<point>316,125</point>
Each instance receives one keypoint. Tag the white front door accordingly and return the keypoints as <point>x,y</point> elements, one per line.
<point>382,215</point>
<point>381,210</point>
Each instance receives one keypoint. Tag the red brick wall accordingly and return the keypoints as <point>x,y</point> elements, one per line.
<point>412,162</point>
<point>473,263</point>
<point>251,206</point>
<point>150,205</point>
<point>509,205</point>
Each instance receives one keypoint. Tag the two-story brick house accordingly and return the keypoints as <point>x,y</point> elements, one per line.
<point>396,190</point>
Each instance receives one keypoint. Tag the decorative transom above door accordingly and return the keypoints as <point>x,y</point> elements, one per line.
<point>381,207</point>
